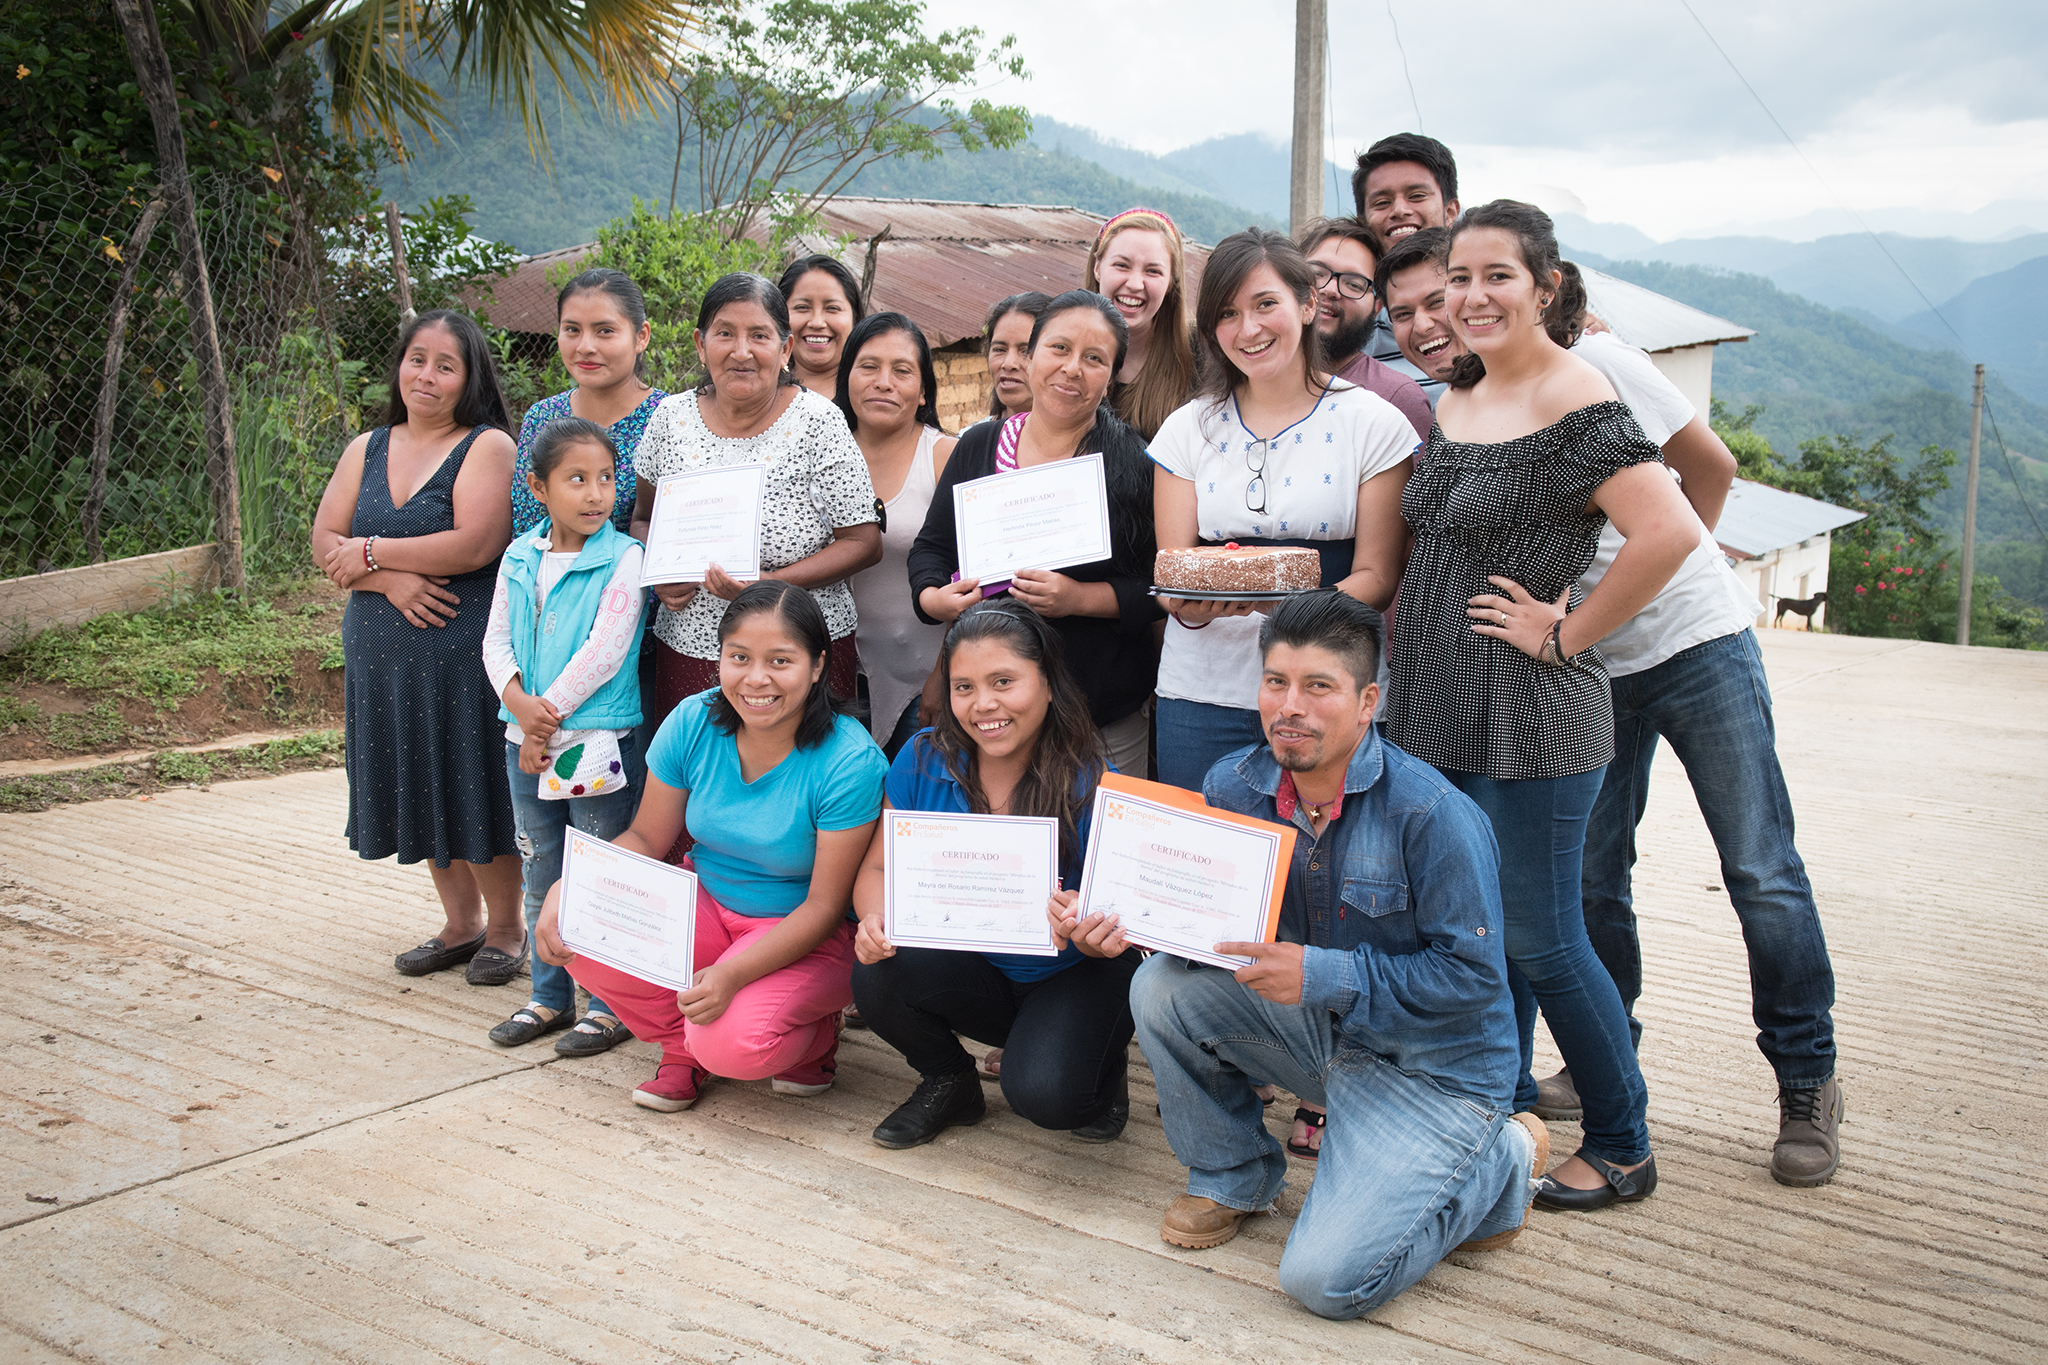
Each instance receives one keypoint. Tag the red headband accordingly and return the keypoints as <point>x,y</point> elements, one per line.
<point>1137,213</point>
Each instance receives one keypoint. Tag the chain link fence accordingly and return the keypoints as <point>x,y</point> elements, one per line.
<point>100,405</point>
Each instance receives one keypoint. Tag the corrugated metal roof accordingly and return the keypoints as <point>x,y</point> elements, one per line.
<point>943,263</point>
<point>1644,318</point>
<point>1758,519</point>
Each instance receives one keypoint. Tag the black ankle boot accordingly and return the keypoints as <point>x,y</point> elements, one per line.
<point>938,1103</point>
<point>1110,1126</point>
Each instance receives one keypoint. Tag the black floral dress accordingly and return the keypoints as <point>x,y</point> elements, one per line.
<point>425,748</point>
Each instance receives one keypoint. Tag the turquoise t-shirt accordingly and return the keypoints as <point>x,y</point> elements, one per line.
<point>756,841</point>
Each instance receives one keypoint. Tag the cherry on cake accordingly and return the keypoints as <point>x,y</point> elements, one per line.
<point>1238,568</point>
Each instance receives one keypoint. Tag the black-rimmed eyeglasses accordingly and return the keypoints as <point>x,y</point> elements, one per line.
<point>1255,491</point>
<point>1349,284</point>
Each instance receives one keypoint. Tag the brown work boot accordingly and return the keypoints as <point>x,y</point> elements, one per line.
<point>1557,1099</point>
<point>1538,1162</point>
<point>1809,1146</point>
<point>1198,1224</point>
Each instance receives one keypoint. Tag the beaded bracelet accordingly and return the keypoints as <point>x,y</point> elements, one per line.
<point>1553,644</point>
<point>369,559</point>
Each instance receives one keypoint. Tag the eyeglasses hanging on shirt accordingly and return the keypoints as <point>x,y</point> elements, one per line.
<point>1255,491</point>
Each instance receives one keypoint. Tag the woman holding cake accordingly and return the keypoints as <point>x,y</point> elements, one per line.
<point>1273,452</point>
<point>1102,612</point>
<point>1138,265</point>
<point>1493,675</point>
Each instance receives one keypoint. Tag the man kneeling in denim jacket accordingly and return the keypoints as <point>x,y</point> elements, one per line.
<point>1385,998</point>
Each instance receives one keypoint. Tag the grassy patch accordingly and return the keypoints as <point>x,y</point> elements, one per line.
<point>99,726</point>
<point>16,711</point>
<point>296,753</point>
<point>160,655</point>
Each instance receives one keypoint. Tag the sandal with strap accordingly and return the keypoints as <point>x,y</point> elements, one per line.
<point>1316,1122</point>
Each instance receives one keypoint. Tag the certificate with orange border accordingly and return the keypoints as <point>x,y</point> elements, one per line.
<point>1183,877</point>
<point>628,911</point>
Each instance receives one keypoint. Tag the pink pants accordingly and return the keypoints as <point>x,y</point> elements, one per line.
<point>773,1026</point>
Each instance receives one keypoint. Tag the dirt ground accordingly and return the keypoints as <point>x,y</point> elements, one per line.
<point>229,1132</point>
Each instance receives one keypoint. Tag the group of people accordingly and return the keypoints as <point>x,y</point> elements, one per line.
<point>1416,393</point>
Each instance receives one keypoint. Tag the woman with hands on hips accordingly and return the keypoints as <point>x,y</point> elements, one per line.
<point>1014,739</point>
<point>1493,676</point>
<point>819,525</point>
<point>412,523</point>
<point>781,795</point>
<point>1102,612</point>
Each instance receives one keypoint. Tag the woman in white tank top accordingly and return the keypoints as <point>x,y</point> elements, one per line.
<point>887,390</point>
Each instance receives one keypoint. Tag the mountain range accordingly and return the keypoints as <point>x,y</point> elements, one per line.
<point>1845,344</point>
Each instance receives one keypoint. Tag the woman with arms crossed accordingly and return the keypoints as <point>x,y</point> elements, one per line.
<point>1494,679</point>
<point>781,795</point>
<point>412,523</point>
<point>1014,739</point>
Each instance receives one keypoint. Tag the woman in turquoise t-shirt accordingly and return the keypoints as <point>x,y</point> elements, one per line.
<point>1015,740</point>
<point>782,796</point>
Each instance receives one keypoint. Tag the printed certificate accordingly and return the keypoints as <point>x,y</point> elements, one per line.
<point>975,882</point>
<point>1183,877</point>
<point>705,517</point>
<point>1046,517</point>
<point>629,912</point>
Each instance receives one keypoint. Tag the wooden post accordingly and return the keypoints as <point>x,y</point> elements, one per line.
<point>397,229</point>
<point>110,379</point>
<point>867,269</point>
<point>153,73</point>
<point>1305,188</point>
<point>1970,513</point>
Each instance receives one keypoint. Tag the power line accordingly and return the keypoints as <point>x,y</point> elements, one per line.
<point>1904,273</point>
<point>1404,67</point>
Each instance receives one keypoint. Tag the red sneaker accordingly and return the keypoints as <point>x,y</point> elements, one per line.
<point>814,1077</point>
<point>675,1087</point>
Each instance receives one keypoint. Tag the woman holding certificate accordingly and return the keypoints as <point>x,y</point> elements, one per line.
<point>1494,679</point>
<point>817,522</point>
<point>1273,451</point>
<point>781,795</point>
<point>1101,610</point>
<point>1014,740</point>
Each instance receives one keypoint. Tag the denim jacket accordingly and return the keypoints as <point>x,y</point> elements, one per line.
<point>1399,905</point>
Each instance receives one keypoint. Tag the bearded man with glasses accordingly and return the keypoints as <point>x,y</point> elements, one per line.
<point>1345,255</point>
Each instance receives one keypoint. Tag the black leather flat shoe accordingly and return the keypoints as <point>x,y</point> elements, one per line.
<point>1622,1187</point>
<point>436,956</point>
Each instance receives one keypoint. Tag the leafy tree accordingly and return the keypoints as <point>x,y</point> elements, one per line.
<point>816,91</point>
<point>381,56</point>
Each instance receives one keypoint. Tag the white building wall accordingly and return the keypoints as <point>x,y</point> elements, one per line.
<point>1796,572</point>
<point>1691,368</point>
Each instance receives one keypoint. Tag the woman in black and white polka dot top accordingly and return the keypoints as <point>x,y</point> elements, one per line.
<point>1492,673</point>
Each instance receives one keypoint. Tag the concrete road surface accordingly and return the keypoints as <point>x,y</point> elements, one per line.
<point>231,1132</point>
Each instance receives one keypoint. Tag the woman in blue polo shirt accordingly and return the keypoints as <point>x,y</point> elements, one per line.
<point>1015,740</point>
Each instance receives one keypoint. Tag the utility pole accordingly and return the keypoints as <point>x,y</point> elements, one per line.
<point>395,226</point>
<point>1970,512</point>
<point>1305,190</point>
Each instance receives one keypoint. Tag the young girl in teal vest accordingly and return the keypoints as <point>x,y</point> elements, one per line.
<point>560,650</point>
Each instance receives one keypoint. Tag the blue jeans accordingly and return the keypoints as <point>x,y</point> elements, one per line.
<point>1540,826</point>
<point>1713,704</point>
<point>541,825</point>
<point>1408,1170</point>
<point>1192,735</point>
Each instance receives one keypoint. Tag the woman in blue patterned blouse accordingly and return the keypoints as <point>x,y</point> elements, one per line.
<point>601,329</point>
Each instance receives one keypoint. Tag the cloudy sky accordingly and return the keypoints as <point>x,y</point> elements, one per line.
<point>1622,104</point>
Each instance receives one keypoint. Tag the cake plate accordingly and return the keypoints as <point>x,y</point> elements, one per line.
<point>1192,595</point>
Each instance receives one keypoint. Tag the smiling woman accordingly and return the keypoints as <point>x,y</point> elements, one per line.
<point>818,522</point>
<point>1139,266</point>
<point>886,389</point>
<point>824,307</point>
